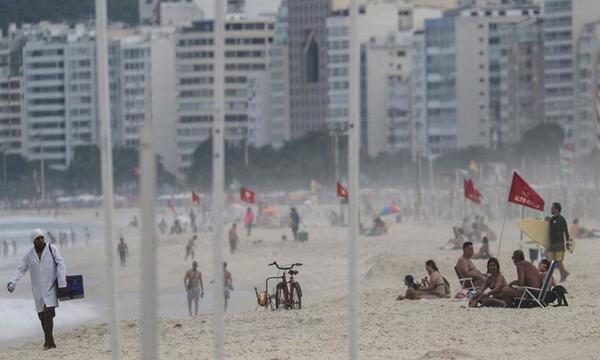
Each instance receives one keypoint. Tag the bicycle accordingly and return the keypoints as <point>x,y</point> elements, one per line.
<point>288,293</point>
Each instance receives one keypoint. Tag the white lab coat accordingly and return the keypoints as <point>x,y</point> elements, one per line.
<point>43,274</point>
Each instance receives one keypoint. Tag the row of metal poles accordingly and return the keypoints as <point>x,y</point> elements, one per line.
<point>148,193</point>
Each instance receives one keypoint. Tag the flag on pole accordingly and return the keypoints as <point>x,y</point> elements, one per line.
<point>195,198</point>
<point>523,194</point>
<point>342,192</point>
<point>247,195</point>
<point>471,192</point>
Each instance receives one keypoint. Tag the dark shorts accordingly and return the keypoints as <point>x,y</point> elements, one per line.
<point>47,310</point>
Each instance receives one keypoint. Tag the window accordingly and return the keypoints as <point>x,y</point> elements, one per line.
<point>312,62</point>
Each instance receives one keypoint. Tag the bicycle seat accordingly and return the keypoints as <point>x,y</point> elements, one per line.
<point>293,272</point>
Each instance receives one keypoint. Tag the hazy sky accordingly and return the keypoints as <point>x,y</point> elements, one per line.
<point>253,7</point>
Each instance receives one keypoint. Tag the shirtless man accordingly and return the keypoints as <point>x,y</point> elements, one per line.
<point>228,283</point>
<point>193,287</point>
<point>527,275</point>
<point>466,268</point>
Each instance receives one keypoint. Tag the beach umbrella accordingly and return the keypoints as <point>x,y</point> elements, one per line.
<point>389,210</point>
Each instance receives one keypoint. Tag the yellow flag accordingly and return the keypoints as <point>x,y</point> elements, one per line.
<point>473,167</point>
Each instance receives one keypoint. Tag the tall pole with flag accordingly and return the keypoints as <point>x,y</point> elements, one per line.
<point>107,175</point>
<point>218,134</point>
<point>353,181</point>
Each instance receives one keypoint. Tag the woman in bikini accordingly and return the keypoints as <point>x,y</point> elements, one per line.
<point>437,287</point>
<point>489,293</point>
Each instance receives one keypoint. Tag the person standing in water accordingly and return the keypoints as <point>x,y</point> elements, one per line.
<point>14,246</point>
<point>46,266</point>
<point>123,251</point>
<point>4,248</point>
<point>194,287</point>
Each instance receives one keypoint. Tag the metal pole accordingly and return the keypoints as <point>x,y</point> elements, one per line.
<point>218,175</point>
<point>149,273</point>
<point>353,182</point>
<point>336,156</point>
<point>107,175</point>
<point>4,166</point>
<point>42,176</point>
<point>431,186</point>
<point>147,211</point>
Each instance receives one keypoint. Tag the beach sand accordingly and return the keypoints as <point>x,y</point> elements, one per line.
<point>390,329</point>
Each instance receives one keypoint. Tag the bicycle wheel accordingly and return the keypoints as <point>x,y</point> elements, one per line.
<point>280,297</point>
<point>297,297</point>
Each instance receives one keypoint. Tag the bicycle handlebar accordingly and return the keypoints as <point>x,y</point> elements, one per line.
<point>285,267</point>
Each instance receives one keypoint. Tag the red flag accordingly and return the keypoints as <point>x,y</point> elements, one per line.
<point>471,192</point>
<point>195,198</point>
<point>342,192</point>
<point>247,195</point>
<point>523,194</point>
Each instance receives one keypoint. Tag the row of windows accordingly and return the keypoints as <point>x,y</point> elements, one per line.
<point>196,80</point>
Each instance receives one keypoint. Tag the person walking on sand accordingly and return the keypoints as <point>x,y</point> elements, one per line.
<point>46,267</point>
<point>123,251</point>
<point>189,248</point>
<point>193,224</point>
<point>233,238</point>
<point>227,284</point>
<point>294,222</point>
<point>559,240</point>
<point>194,287</point>
<point>249,221</point>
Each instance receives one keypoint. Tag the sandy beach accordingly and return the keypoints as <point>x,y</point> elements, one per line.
<point>390,329</point>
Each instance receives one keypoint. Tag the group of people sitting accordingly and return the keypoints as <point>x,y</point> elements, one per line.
<point>474,231</point>
<point>489,289</point>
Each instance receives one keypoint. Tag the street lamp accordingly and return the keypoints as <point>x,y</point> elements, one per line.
<point>5,148</point>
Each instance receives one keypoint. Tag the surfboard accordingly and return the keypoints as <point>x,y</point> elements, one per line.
<point>538,230</point>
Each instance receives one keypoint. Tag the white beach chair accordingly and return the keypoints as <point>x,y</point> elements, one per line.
<point>535,295</point>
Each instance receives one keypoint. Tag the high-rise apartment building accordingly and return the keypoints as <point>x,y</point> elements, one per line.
<point>247,42</point>
<point>587,131</point>
<point>468,85</point>
<point>280,80</point>
<point>11,141</point>
<point>59,89</point>
<point>307,39</point>
<point>563,23</point>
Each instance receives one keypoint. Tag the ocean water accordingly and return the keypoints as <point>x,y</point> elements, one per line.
<point>20,320</point>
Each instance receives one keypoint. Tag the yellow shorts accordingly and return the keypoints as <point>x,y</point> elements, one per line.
<point>555,255</point>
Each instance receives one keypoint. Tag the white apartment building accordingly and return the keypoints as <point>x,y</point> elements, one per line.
<point>59,89</point>
<point>587,131</point>
<point>10,97</point>
<point>247,43</point>
<point>142,88</point>
<point>279,68</point>
<point>563,23</point>
<point>259,109</point>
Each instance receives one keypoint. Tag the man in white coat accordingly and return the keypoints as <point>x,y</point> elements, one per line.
<point>46,267</point>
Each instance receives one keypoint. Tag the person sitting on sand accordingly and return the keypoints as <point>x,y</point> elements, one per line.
<point>379,228</point>
<point>543,267</point>
<point>578,231</point>
<point>527,275</point>
<point>489,293</point>
<point>465,267</point>
<point>484,250</point>
<point>437,287</point>
<point>457,240</point>
<point>489,233</point>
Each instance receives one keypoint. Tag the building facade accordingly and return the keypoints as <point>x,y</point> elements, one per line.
<point>247,42</point>
<point>307,36</point>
